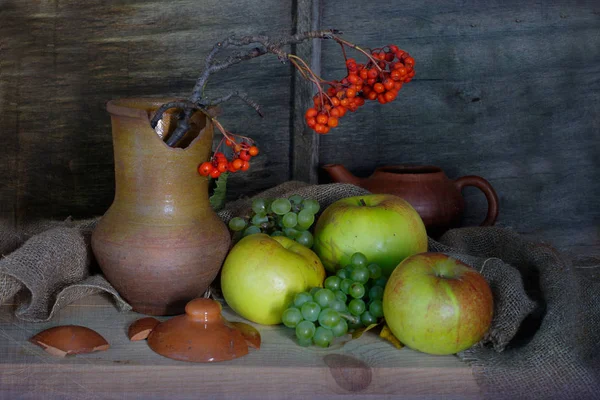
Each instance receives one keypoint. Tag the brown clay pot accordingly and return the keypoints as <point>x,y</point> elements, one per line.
<point>437,199</point>
<point>160,244</point>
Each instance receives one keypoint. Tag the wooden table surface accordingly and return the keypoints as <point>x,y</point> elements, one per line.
<point>367,367</point>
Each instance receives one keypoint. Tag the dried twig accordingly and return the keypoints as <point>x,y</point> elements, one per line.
<point>197,100</point>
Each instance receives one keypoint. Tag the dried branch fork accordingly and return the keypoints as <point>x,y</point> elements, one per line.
<point>198,101</point>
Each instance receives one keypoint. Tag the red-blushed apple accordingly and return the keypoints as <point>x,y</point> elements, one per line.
<point>436,304</point>
<point>384,227</point>
<point>262,274</point>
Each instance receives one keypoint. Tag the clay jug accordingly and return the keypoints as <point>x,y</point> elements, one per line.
<point>437,199</point>
<point>160,244</point>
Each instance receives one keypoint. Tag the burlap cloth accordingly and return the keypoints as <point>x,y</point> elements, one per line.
<point>545,337</point>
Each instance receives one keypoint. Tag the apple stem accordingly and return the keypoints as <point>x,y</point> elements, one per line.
<point>350,318</point>
<point>362,202</point>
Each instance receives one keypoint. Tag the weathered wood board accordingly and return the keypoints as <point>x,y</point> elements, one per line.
<point>368,367</point>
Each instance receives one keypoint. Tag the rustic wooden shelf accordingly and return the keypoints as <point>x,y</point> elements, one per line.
<point>364,368</point>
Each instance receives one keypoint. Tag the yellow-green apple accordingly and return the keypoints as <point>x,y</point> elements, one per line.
<point>436,304</point>
<point>262,274</point>
<point>384,227</point>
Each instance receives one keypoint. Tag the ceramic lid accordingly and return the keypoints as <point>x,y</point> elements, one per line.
<point>199,335</point>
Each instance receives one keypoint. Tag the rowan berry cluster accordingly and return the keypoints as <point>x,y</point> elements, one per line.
<point>242,152</point>
<point>379,79</point>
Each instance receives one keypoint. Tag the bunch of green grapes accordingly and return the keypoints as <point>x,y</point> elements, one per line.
<point>350,299</point>
<point>291,217</point>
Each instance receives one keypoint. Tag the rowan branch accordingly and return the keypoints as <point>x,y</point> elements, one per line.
<point>242,96</point>
<point>197,100</point>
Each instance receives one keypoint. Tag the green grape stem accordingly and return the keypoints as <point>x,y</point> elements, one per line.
<point>350,318</point>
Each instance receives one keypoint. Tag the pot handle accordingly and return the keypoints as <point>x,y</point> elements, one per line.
<point>488,191</point>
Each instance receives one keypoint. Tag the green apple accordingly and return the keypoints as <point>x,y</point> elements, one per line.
<point>262,274</point>
<point>384,227</point>
<point>436,304</point>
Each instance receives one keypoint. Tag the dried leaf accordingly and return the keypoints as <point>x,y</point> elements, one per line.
<point>387,334</point>
<point>359,332</point>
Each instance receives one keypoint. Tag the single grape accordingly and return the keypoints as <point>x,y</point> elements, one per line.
<point>354,325</point>
<point>302,298</point>
<point>323,337</point>
<point>358,260</point>
<point>258,219</point>
<point>305,219</point>
<point>340,329</point>
<point>332,283</point>
<point>252,229</point>
<point>291,317</point>
<point>349,269</point>
<point>305,330</point>
<point>367,318</point>
<point>305,238</point>
<point>277,233</point>
<point>339,295</point>
<point>381,281</point>
<point>356,307</point>
<point>304,342</point>
<point>291,232</point>
<point>376,293</point>
<point>311,205</point>
<point>374,271</point>
<point>341,273</point>
<point>360,274</point>
<point>345,285</point>
<point>329,318</point>
<point>259,206</point>
<point>281,206</point>
<point>295,199</point>
<point>289,220</point>
<point>338,305</point>
<point>323,297</point>
<point>237,224</point>
<point>357,290</point>
<point>376,308</point>
<point>310,311</point>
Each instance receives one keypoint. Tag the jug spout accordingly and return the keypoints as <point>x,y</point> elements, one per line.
<point>340,174</point>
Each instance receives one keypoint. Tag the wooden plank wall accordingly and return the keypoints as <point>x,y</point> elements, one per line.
<point>505,89</point>
<point>508,90</point>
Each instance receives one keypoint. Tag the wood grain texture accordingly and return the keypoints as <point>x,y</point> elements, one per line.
<point>63,60</point>
<point>363,368</point>
<point>305,143</point>
<point>507,90</point>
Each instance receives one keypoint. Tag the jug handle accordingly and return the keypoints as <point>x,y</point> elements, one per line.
<point>488,191</point>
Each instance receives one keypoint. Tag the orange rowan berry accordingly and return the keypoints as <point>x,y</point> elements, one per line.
<point>311,112</point>
<point>322,119</point>
<point>205,168</point>
<point>379,88</point>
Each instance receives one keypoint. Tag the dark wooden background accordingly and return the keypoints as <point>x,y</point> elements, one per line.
<point>505,89</point>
